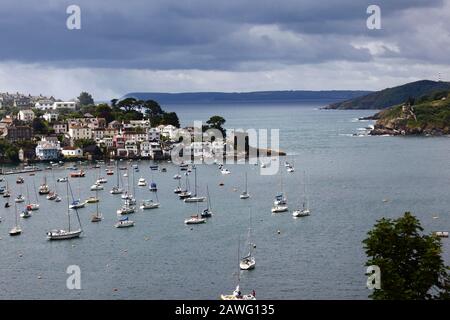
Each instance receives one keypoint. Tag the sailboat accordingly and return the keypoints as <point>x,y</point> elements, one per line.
<point>77,203</point>
<point>248,262</point>
<point>207,212</point>
<point>280,202</point>
<point>16,230</point>
<point>142,182</point>
<point>245,194</point>
<point>305,209</point>
<point>25,214</point>
<point>117,189</point>
<point>62,234</point>
<point>185,193</point>
<point>124,223</point>
<point>53,195</point>
<point>153,187</point>
<point>97,217</point>
<point>195,219</point>
<point>32,206</point>
<point>237,294</point>
<point>44,188</point>
<point>6,193</point>
<point>195,197</point>
<point>178,189</point>
<point>19,198</point>
<point>150,204</point>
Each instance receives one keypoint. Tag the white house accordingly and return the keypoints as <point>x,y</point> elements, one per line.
<point>50,116</point>
<point>44,104</point>
<point>54,105</point>
<point>48,150</point>
<point>71,152</point>
<point>168,131</point>
<point>153,134</point>
<point>26,115</point>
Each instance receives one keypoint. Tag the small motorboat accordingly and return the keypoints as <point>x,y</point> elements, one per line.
<point>178,190</point>
<point>279,208</point>
<point>184,194</point>
<point>96,186</point>
<point>109,172</point>
<point>64,179</point>
<point>101,180</point>
<point>116,190</point>
<point>33,206</point>
<point>247,263</point>
<point>142,182</point>
<point>163,170</point>
<point>6,194</point>
<point>225,171</point>
<point>77,204</point>
<point>301,213</point>
<point>206,213</point>
<point>25,214</point>
<point>154,167</point>
<point>177,177</point>
<point>149,204</point>
<point>441,234</point>
<point>20,180</point>
<point>15,231</point>
<point>77,174</point>
<point>153,187</point>
<point>52,196</point>
<point>244,195</point>
<point>126,209</point>
<point>58,199</point>
<point>20,198</point>
<point>237,295</point>
<point>7,205</point>
<point>44,189</point>
<point>124,223</point>
<point>92,200</point>
<point>195,220</point>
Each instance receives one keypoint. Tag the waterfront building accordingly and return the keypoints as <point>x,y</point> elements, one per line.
<point>48,150</point>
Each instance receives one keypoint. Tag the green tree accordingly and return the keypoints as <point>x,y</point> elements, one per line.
<point>152,108</point>
<point>40,126</point>
<point>216,122</point>
<point>104,111</point>
<point>127,104</point>
<point>410,263</point>
<point>170,118</point>
<point>85,99</point>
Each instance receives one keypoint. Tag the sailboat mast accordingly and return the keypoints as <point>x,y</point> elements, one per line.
<point>195,181</point>
<point>68,203</point>
<point>15,213</point>
<point>96,196</point>
<point>246,182</point>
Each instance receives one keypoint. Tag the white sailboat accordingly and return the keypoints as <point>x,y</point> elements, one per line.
<point>19,198</point>
<point>280,202</point>
<point>248,262</point>
<point>195,219</point>
<point>44,188</point>
<point>195,197</point>
<point>16,230</point>
<point>207,212</point>
<point>61,234</point>
<point>117,189</point>
<point>237,294</point>
<point>124,223</point>
<point>32,206</point>
<point>150,204</point>
<point>245,194</point>
<point>304,211</point>
<point>183,194</point>
<point>97,217</point>
<point>142,182</point>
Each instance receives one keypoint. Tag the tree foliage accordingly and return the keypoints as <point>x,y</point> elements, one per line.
<point>85,99</point>
<point>411,264</point>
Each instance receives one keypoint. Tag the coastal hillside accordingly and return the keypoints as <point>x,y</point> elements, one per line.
<point>392,96</point>
<point>429,117</point>
<point>257,96</point>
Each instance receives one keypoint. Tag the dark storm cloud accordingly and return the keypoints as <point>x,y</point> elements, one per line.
<point>209,35</point>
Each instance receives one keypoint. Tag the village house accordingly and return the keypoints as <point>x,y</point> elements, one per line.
<point>153,134</point>
<point>50,116</point>
<point>44,104</point>
<point>59,127</point>
<point>77,132</point>
<point>48,149</point>
<point>26,115</point>
<point>72,152</point>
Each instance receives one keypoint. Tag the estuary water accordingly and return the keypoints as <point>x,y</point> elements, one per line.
<point>352,182</point>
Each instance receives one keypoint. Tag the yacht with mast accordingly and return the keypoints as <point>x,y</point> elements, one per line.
<point>245,194</point>
<point>194,197</point>
<point>207,212</point>
<point>304,211</point>
<point>117,189</point>
<point>62,234</point>
<point>97,217</point>
<point>16,230</point>
<point>248,261</point>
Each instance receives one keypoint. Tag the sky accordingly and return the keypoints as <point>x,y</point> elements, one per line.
<point>219,45</point>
